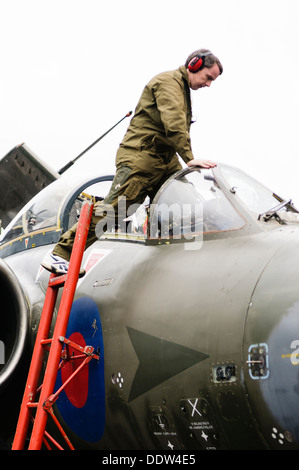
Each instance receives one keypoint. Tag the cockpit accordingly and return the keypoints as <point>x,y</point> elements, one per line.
<point>51,212</point>
<point>192,203</point>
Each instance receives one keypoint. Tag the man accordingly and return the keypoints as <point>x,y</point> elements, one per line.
<point>147,156</point>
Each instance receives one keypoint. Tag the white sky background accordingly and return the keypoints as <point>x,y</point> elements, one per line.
<point>70,69</point>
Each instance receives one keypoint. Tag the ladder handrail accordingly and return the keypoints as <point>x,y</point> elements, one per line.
<point>35,367</point>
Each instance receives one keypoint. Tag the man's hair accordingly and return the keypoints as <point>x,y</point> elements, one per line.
<point>210,60</point>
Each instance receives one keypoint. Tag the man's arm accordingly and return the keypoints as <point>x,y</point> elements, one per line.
<point>170,103</point>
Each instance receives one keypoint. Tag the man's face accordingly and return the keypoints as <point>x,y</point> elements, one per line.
<point>203,77</point>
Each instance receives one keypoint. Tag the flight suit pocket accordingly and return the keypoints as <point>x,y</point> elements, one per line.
<point>119,180</point>
<point>121,177</point>
<point>135,188</point>
<point>163,149</point>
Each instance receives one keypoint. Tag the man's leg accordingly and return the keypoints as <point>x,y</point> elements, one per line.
<point>65,244</point>
<point>126,184</point>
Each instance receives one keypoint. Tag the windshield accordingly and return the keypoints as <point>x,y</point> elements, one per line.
<point>257,198</point>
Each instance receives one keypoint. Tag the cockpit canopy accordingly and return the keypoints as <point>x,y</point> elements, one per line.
<point>192,203</point>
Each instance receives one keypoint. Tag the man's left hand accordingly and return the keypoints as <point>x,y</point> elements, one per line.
<point>202,163</point>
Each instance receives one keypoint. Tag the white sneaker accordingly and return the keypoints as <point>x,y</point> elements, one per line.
<point>57,264</point>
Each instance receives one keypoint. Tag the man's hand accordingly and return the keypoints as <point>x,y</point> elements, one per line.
<point>202,163</point>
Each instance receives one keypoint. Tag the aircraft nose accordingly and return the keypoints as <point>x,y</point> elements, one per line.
<point>272,350</point>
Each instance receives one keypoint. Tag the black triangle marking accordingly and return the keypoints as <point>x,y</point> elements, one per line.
<point>159,360</point>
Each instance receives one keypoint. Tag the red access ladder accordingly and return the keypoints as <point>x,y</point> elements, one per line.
<point>43,407</point>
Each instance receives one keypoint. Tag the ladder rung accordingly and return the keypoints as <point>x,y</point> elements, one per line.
<point>46,341</point>
<point>57,281</point>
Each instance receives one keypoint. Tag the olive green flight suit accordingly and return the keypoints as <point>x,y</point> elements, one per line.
<point>146,157</point>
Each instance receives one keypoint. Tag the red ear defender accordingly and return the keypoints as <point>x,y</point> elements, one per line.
<point>195,64</point>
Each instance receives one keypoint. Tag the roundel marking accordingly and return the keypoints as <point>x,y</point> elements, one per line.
<point>77,389</point>
<point>82,403</point>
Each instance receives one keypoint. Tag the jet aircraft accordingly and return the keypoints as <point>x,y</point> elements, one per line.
<point>192,304</point>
